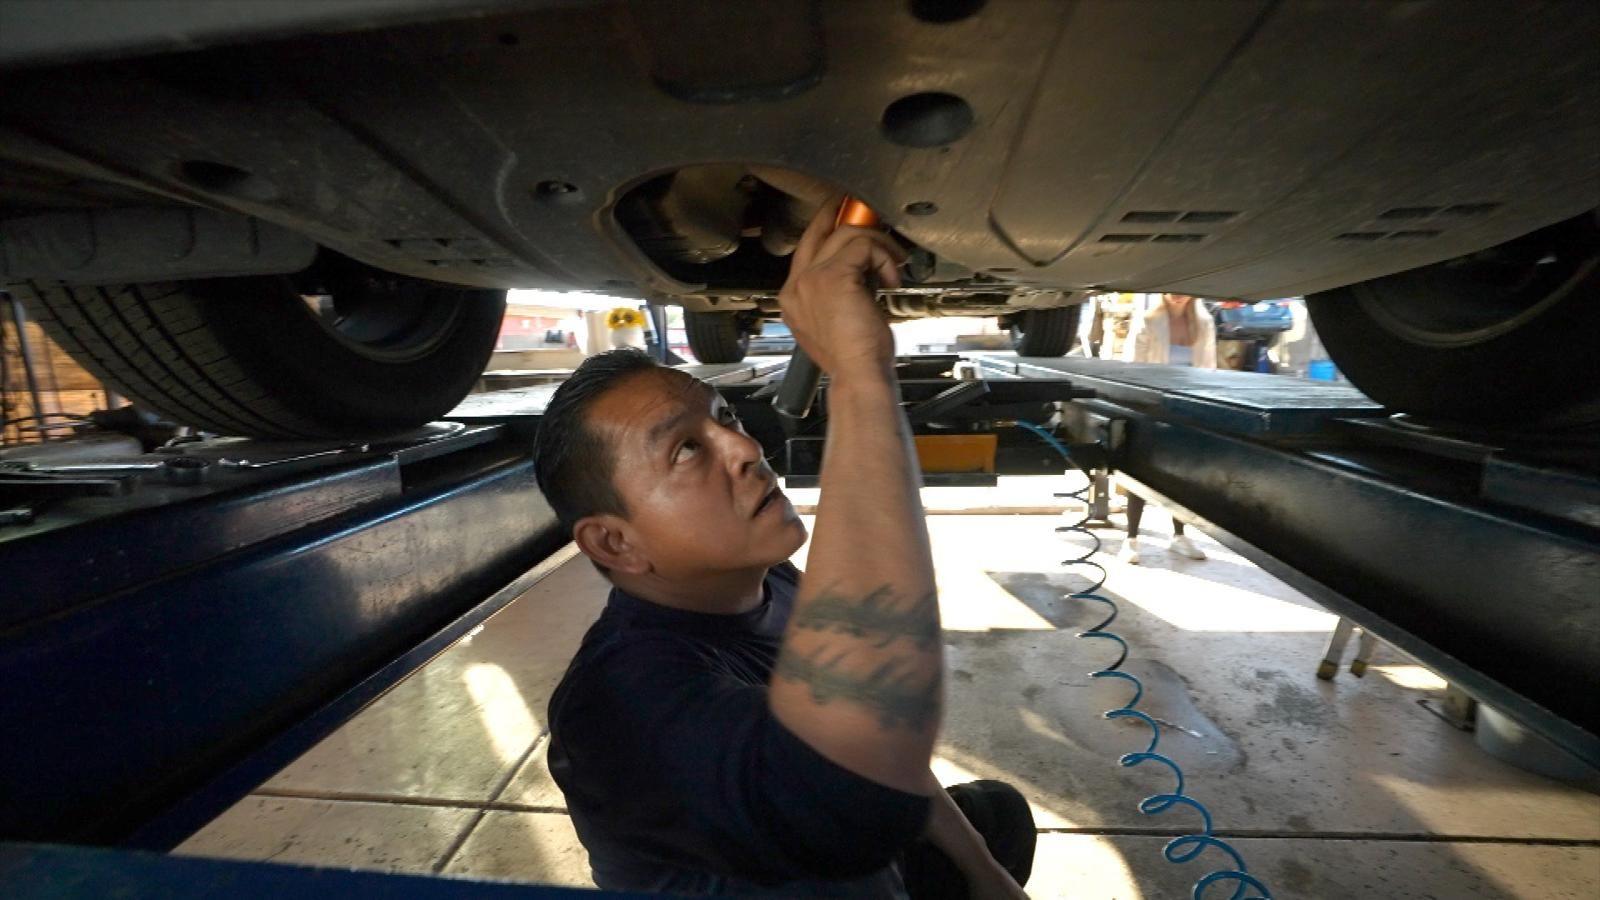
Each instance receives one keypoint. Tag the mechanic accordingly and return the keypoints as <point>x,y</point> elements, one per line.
<point>1177,332</point>
<point>731,725</point>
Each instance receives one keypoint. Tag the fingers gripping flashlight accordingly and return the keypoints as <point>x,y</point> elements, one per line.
<point>800,380</point>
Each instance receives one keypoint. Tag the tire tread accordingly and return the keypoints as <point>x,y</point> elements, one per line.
<point>714,337</point>
<point>150,343</point>
<point>1048,332</point>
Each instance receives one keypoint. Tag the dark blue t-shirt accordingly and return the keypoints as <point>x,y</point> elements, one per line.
<point>679,779</point>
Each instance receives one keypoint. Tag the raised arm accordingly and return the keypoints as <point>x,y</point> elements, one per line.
<point>860,675</point>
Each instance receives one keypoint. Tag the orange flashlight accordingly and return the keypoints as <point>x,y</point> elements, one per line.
<point>854,212</point>
<point>800,380</point>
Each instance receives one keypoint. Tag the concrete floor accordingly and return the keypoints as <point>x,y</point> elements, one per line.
<point>1340,789</point>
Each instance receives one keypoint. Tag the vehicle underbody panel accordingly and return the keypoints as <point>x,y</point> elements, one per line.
<point>1232,149</point>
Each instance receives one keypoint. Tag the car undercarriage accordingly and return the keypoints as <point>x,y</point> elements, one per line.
<point>1027,155</point>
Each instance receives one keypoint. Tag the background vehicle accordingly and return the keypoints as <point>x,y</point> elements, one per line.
<point>173,186</point>
<point>775,337</point>
<point>1240,321</point>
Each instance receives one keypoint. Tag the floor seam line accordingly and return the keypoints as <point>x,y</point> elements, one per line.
<point>404,800</point>
<point>377,799</point>
<point>460,841</point>
<point>511,772</point>
<point>503,806</point>
<point>1376,837</point>
<point>483,809</point>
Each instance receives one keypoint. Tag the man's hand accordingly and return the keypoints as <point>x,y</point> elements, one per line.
<point>949,830</point>
<point>828,299</point>
<point>993,883</point>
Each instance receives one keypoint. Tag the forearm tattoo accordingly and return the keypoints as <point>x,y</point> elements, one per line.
<point>892,688</point>
<point>876,616</point>
<point>896,695</point>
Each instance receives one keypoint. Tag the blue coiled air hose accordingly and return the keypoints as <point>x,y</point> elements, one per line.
<point>1186,847</point>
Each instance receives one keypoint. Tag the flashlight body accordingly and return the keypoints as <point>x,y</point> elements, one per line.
<point>801,379</point>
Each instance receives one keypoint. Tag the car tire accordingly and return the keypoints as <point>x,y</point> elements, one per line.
<point>253,357</point>
<point>1045,332</point>
<point>1493,338</point>
<point>716,337</point>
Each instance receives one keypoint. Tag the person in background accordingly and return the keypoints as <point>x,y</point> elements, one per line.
<point>1294,350</point>
<point>1179,331</point>
<point>1091,330</point>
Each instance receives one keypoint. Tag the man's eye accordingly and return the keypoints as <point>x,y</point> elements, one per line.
<point>728,416</point>
<point>685,450</point>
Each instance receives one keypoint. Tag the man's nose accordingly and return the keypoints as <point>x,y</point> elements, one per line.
<point>744,452</point>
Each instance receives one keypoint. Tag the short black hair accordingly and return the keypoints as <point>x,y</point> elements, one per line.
<point>573,464</point>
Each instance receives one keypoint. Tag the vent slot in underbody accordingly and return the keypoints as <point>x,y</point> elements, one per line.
<point>1193,217</point>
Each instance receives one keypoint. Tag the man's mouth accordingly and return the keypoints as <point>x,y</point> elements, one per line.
<point>771,498</point>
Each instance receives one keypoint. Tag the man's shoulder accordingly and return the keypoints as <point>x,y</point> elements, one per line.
<point>615,662</point>
<point>613,644</point>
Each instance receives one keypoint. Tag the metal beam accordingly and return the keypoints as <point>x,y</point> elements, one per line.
<point>121,705</point>
<point>1500,602</point>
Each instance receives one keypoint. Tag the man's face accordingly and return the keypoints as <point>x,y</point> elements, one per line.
<point>699,494</point>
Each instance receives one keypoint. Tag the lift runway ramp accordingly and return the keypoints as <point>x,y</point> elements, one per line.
<point>1244,403</point>
<point>1477,554</point>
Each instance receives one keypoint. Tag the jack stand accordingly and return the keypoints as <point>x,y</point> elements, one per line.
<point>1100,496</point>
<point>1365,645</point>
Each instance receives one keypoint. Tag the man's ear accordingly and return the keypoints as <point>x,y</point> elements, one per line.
<point>609,541</point>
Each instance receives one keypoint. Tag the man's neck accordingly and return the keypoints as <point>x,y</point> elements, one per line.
<point>719,593</point>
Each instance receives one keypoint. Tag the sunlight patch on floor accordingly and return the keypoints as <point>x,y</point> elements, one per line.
<point>1196,604</point>
<point>1411,676</point>
<point>500,705</point>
